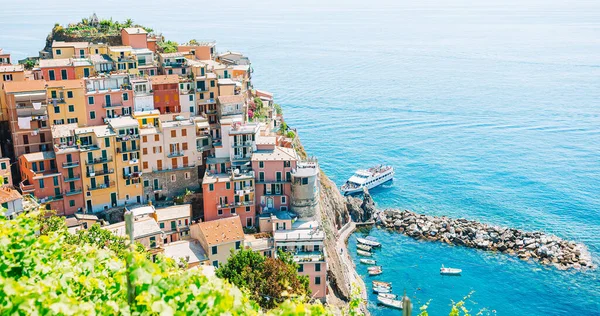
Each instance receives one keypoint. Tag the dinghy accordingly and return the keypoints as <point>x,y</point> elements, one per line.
<point>368,242</point>
<point>389,302</point>
<point>364,253</point>
<point>388,295</point>
<point>368,261</point>
<point>450,271</point>
<point>377,289</point>
<point>374,268</point>
<point>375,272</point>
<point>382,284</point>
<point>363,247</point>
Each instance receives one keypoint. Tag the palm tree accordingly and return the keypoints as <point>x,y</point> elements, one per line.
<point>128,23</point>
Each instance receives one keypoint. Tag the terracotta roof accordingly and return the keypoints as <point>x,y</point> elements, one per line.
<point>226,99</point>
<point>164,79</point>
<point>66,84</point>
<point>24,86</point>
<point>41,155</point>
<point>222,230</point>
<point>8,194</point>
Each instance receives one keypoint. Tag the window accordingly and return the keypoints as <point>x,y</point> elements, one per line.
<point>212,95</point>
<point>90,100</point>
<point>247,209</point>
<point>51,75</point>
<point>156,138</point>
<point>125,157</point>
<point>288,176</point>
<point>146,183</point>
<point>7,77</point>
<point>63,74</point>
<point>304,181</point>
<point>187,174</point>
<point>152,242</point>
<point>58,52</point>
<point>248,221</point>
<point>228,185</point>
<point>57,109</point>
<point>106,142</point>
<point>238,244</point>
<point>173,133</point>
<point>184,132</point>
<point>191,97</point>
<point>286,164</point>
<point>41,183</point>
<point>125,97</point>
<point>212,84</point>
<point>317,267</point>
<point>283,201</point>
<point>70,94</point>
<point>300,267</point>
<point>211,187</point>
<point>3,165</point>
<point>213,250</point>
<point>162,225</point>
<point>92,115</point>
<point>55,180</point>
<point>145,165</point>
<point>261,164</point>
<point>216,264</point>
<point>201,96</point>
<point>232,211</point>
<point>261,176</point>
<point>173,178</point>
<point>184,146</point>
<point>71,108</point>
<point>317,280</point>
<point>278,176</point>
<point>145,151</point>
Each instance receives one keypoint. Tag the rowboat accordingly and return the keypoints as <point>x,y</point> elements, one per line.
<point>388,295</point>
<point>363,247</point>
<point>368,261</point>
<point>374,268</point>
<point>382,284</point>
<point>375,272</point>
<point>368,242</point>
<point>364,253</point>
<point>377,289</point>
<point>389,302</point>
<point>450,271</point>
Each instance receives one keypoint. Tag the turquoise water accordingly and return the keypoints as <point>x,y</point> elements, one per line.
<point>489,111</point>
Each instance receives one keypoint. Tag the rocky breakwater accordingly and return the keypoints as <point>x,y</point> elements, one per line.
<point>545,248</point>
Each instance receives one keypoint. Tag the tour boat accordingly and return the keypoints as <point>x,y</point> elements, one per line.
<point>389,302</point>
<point>368,242</point>
<point>368,178</point>
<point>364,253</point>
<point>382,284</point>
<point>450,271</point>
<point>363,247</point>
<point>375,271</point>
<point>378,289</point>
<point>368,261</point>
<point>388,295</point>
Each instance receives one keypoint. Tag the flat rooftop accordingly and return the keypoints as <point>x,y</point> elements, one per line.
<point>186,249</point>
<point>123,122</point>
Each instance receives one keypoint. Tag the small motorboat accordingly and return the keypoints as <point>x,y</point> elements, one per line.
<point>388,295</point>
<point>389,302</point>
<point>383,290</point>
<point>368,261</point>
<point>363,247</point>
<point>368,242</point>
<point>375,272</point>
<point>382,284</point>
<point>450,271</point>
<point>364,253</point>
<point>374,268</point>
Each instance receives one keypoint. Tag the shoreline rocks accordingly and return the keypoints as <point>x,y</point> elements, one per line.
<point>546,249</point>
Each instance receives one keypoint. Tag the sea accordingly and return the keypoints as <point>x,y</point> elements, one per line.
<point>488,110</point>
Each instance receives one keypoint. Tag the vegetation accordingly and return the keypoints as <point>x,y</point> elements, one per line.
<point>168,46</point>
<point>278,109</point>
<point>268,281</point>
<point>43,272</point>
<point>283,128</point>
<point>29,64</point>
<point>87,28</point>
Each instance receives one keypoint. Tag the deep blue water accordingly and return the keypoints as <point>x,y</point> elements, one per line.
<point>489,111</point>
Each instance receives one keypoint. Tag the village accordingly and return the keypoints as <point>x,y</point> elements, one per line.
<point>182,140</point>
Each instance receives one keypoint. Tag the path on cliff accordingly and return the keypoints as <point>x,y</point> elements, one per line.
<point>353,279</point>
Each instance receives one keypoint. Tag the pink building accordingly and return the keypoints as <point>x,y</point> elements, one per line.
<point>57,69</point>
<point>41,178</point>
<point>136,37</point>
<point>229,194</point>
<point>272,167</point>
<point>107,97</point>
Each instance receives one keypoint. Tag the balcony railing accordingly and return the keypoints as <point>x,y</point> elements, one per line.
<point>132,175</point>
<point>178,153</point>
<point>174,64</point>
<point>309,256</point>
<point>25,188</point>
<point>157,188</point>
<point>126,150</point>
<point>123,138</point>
<point>101,172</point>
<point>112,105</point>
<point>73,192</point>
<point>236,204</point>
<point>242,144</point>
<point>70,164</point>
<point>73,178</point>
<point>89,147</point>
<point>102,186</point>
<point>57,100</point>
<point>99,160</point>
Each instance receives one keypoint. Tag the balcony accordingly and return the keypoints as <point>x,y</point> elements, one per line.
<point>124,138</point>
<point>101,186</point>
<point>241,157</point>
<point>99,160</point>
<point>178,64</point>
<point>276,181</point>
<point>26,187</point>
<point>57,100</point>
<point>71,164</point>
<point>127,150</point>
<point>133,175</point>
<point>112,105</point>
<point>73,178</point>
<point>309,256</point>
<point>234,205</point>
<point>29,110</point>
<point>88,147</point>
<point>49,199</point>
<point>247,143</point>
<point>178,153</point>
<point>157,188</point>
<point>210,112</point>
<point>73,192</point>
<point>244,191</point>
<point>102,172</point>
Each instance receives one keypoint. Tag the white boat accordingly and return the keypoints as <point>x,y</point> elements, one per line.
<point>374,268</point>
<point>375,272</point>
<point>388,295</point>
<point>364,253</point>
<point>389,302</point>
<point>382,284</point>
<point>368,178</point>
<point>378,289</point>
<point>450,271</point>
<point>363,247</point>
<point>368,242</point>
<point>368,261</point>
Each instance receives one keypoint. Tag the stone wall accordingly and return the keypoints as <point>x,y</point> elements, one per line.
<point>169,189</point>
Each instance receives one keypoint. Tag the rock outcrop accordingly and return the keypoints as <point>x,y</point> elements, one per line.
<point>361,210</point>
<point>547,249</point>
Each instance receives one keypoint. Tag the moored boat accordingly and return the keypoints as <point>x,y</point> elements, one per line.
<point>364,253</point>
<point>368,261</point>
<point>374,268</point>
<point>363,247</point>
<point>389,302</point>
<point>388,295</point>
<point>450,271</point>
<point>375,271</point>
<point>378,289</point>
<point>368,242</point>
<point>368,178</point>
<point>382,284</point>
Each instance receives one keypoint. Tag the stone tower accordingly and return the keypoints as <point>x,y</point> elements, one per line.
<point>305,188</point>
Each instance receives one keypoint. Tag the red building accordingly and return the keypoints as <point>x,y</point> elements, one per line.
<point>57,69</point>
<point>166,93</point>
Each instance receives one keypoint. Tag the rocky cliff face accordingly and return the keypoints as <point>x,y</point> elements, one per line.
<point>363,210</point>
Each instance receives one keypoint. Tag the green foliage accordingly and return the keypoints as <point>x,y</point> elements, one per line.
<point>85,27</point>
<point>193,42</point>
<point>269,281</point>
<point>290,134</point>
<point>29,64</point>
<point>278,109</point>
<point>49,275</point>
<point>283,128</point>
<point>168,46</point>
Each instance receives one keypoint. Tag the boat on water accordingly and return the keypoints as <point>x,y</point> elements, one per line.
<point>374,268</point>
<point>368,242</point>
<point>382,284</point>
<point>389,302</point>
<point>364,247</point>
<point>368,261</point>
<point>383,290</point>
<point>375,271</point>
<point>450,271</point>
<point>368,178</point>
<point>363,253</point>
<point>388,295</point>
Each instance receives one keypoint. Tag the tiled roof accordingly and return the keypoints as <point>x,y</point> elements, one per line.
<point>66,84</point>
<point>24,86</point>
<point>164,79</point>
<point>227,99</point>
<point>8,195</point>
<point>222,230</point>
<point>174,212</point>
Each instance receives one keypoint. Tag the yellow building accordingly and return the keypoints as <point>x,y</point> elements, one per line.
<point>66,102</point>
<point>128,162</point>
<point>83,68</point>
<point>8,73</point>
<point>70,49</point>
<point>98,49</point>
<point>97,156</point>
<point>124,59</point>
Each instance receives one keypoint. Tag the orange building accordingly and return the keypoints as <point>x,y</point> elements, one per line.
<point>136,37</point>
<point>57,69</point>
<point>41,178</point>
<point>201,51</point>
<point>166,93</point>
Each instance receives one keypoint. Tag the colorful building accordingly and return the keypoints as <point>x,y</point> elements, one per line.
<point>200,50</point>
<point>40,178</point>
<point>67,157</point>
<point>173,64</point>
<point>175,222</point>
<point>123,58</point>
<point>127,160</point>
<point>66,50</point>
<point>57,69</point>
<point>218,238</point>
<point>273,168</point>
<point>135,37</point>
<point>11,202</point>
<point>66,100</point>
<point>108,97</point>
<point>166,93</point>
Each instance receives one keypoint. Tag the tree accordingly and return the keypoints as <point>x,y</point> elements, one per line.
<point>168,46</point>
<point>269,281</point>
<point>283,128</point>
<point>29,64</point>
<point>48,275</point>
<point>193,42</point>
<point>128,23</point>
<point>278,109</point>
